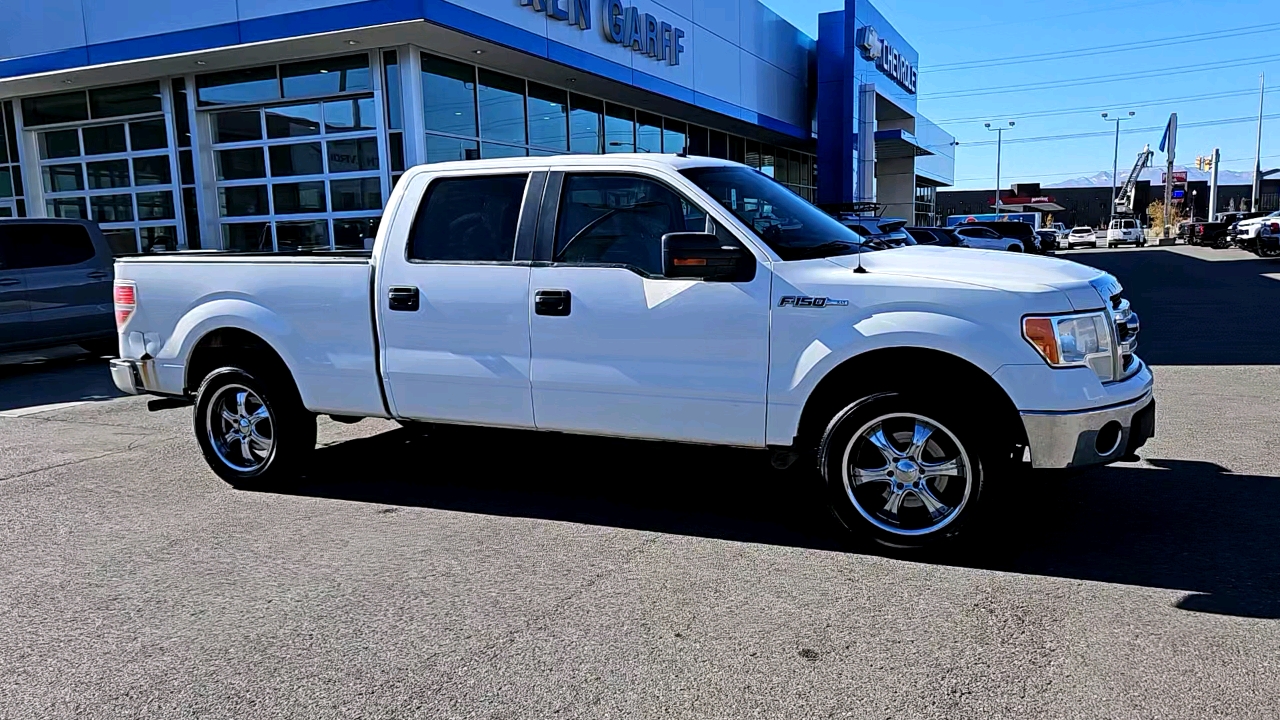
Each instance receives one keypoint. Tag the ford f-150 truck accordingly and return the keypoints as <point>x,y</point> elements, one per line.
<point>655,297</point>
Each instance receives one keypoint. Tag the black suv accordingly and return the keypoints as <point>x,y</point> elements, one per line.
<point>940,236</point>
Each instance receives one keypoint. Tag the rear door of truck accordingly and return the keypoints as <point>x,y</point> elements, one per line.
<point>453,297</point>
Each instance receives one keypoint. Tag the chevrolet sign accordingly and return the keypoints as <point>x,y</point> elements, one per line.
<point>887,59</point>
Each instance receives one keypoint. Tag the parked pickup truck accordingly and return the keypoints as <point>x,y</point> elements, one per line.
<point>654,297</point>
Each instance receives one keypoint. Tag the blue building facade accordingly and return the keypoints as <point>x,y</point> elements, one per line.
<point>281,124</point>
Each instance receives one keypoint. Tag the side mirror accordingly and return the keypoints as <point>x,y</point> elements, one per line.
<point>703,256</point>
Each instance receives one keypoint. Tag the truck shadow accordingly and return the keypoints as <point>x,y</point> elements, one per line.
<point>54,375</point>
<point>1174,293</point>
<point>1179,525</point>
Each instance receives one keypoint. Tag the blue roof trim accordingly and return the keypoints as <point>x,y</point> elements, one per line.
<point>378,12</point>
<point>211,36</point>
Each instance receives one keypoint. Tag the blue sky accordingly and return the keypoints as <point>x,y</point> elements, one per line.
<point>1238,38</point>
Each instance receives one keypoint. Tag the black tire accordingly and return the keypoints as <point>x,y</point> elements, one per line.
<point>247,393</point>
<point>844,448</point>
<point>1014,248</point>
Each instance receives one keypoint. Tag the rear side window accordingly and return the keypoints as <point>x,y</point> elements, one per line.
<point>469,219</point>
<point>37,245</point>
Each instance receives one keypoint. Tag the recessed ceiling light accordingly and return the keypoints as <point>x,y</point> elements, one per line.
<point>478,52</point>
<point>201,62</point>
<point>573,79</point>
<point>353,42</point>
<point>67,81</point>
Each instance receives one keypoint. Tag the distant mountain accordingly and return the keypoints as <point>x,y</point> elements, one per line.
<point>1155,175</point>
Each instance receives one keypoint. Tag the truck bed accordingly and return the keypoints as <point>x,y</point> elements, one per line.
<point>313,309</point>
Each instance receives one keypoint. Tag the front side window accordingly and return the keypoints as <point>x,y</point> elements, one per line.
<point>469,219</point>
<point>615,219</point>
<point>788,224</point>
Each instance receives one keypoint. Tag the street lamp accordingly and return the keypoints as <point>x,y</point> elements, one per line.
<point>999,131</point>
<point>1115,158</point>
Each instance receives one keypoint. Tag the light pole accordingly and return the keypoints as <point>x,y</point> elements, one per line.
<point>1115,160</point>
<point>999,131</point>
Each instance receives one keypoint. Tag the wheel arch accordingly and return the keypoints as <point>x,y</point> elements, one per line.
<point>228,345</point>
<point>887,369</point>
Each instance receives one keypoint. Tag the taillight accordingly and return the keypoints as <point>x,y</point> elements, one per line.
<point>1275,227</point>
<point>126,299</point>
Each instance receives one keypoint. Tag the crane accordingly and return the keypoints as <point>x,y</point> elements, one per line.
<point>1124,200</point>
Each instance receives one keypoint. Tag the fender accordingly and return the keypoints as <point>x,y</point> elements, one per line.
<point>218,313</point>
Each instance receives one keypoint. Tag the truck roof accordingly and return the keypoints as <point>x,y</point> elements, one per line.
<point>678,162</point>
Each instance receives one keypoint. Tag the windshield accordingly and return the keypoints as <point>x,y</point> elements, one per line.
<point>789,225</point>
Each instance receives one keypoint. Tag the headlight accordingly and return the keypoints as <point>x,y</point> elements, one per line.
<point>1073,341</point>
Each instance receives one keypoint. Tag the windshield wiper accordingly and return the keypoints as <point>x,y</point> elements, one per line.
<point>827,249</point>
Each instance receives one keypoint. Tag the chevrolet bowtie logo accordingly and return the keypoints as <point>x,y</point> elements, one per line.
<point>870,44</point>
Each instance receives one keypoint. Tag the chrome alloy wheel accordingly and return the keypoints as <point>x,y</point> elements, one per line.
<point>907,474</point>
<point>241,429</point>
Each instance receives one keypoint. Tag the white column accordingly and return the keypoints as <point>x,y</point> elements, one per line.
<point>415,124</point>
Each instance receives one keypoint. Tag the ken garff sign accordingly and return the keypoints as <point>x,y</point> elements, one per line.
<point>624,25</point>
<point>890,62</point>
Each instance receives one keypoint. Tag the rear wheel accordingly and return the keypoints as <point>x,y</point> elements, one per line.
<point>252,426</point>
<point>907,472</point>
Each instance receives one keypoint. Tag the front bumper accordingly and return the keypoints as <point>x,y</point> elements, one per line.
<point>125,374</point>
<point>1091,437</point>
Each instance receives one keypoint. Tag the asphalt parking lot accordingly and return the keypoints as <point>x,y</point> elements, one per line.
<point>507,575</point>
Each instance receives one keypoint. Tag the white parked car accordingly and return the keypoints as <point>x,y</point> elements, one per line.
<point>984,238</point>
<point>655,297</point>
<point>1123,231</point>
<point>1252,228</point>
<point>1082,236</point>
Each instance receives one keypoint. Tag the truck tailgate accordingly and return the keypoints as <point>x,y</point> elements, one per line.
<point>313,311</point>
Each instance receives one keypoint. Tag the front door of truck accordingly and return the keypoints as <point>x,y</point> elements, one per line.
<point>453,301</point>
<point>618,349</point>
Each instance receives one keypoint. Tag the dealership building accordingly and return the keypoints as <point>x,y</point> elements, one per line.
<point>283,124</point>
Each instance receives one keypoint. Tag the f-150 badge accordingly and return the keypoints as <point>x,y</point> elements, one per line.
<point>810,302</point>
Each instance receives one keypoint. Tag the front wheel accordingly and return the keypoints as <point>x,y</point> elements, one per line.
<point>1014,248</point>
<point>906,472</point>
<point>252,428</point>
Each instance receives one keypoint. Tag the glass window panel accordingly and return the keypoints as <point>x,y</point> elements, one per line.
<point>181,115</point>
<point>112,208</point>
<point>468,219</point>
<point>718,145</point>
<point>753,154</point>
<point>619,220</point>
<point>66,208</point>
<point>21,207</point>
<point>648,133</point>
<point>293,120</point>
<point>535,152</point>
<point>237,126</point>
<point>448,96</point>
<point>698,141</point>
<point>191,217</point>
<point>243,200</point>
<point>353,155</point>
<point>238,86</point>
<point>310,235</point>
<point>501,107</point>
<point>494,150</point>
<point>6,183</point>
<point>443,149</point>
<point>59,144</point>
<point>327,76</point>
<point>673,136</point>
<point>135,99</point>
<point>186,168</point>
<point>349,115</point>
<point>619,129</point>
<point>584,124</point>
<point>162,238</point>
<point>395,113</point>
<point>4,146</point>
<point>104,139</point>
<point>6,211</point>
<point>356,194</point>
<point>247,237</point>
<point>122,241</point>
<point>17,180</point>
<point>59,108</point>
<point>352,233</point>
<point>737,152</point>
<point>766,160</point>
<point>242,164</point>
<point>304,197</point>
<point>148,135</point>
<point>108,174</point>
<point>301,159</point>
<point>11,131</point>
<point>548,117</point>
<point>780,166</point>
<point>794,174</point>
<point>395,142</point>
<point>62,178</point>
<point>155,206</point>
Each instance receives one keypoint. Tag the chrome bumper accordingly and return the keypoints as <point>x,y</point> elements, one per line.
<point>124,373</point>
<point>1091,437</point>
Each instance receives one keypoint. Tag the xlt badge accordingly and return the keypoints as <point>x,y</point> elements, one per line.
<point>806,301</point>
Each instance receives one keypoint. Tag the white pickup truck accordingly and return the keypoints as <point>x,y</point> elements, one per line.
<point>655,297</point>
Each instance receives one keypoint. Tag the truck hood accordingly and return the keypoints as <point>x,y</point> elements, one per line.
<point>1084,286</point>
